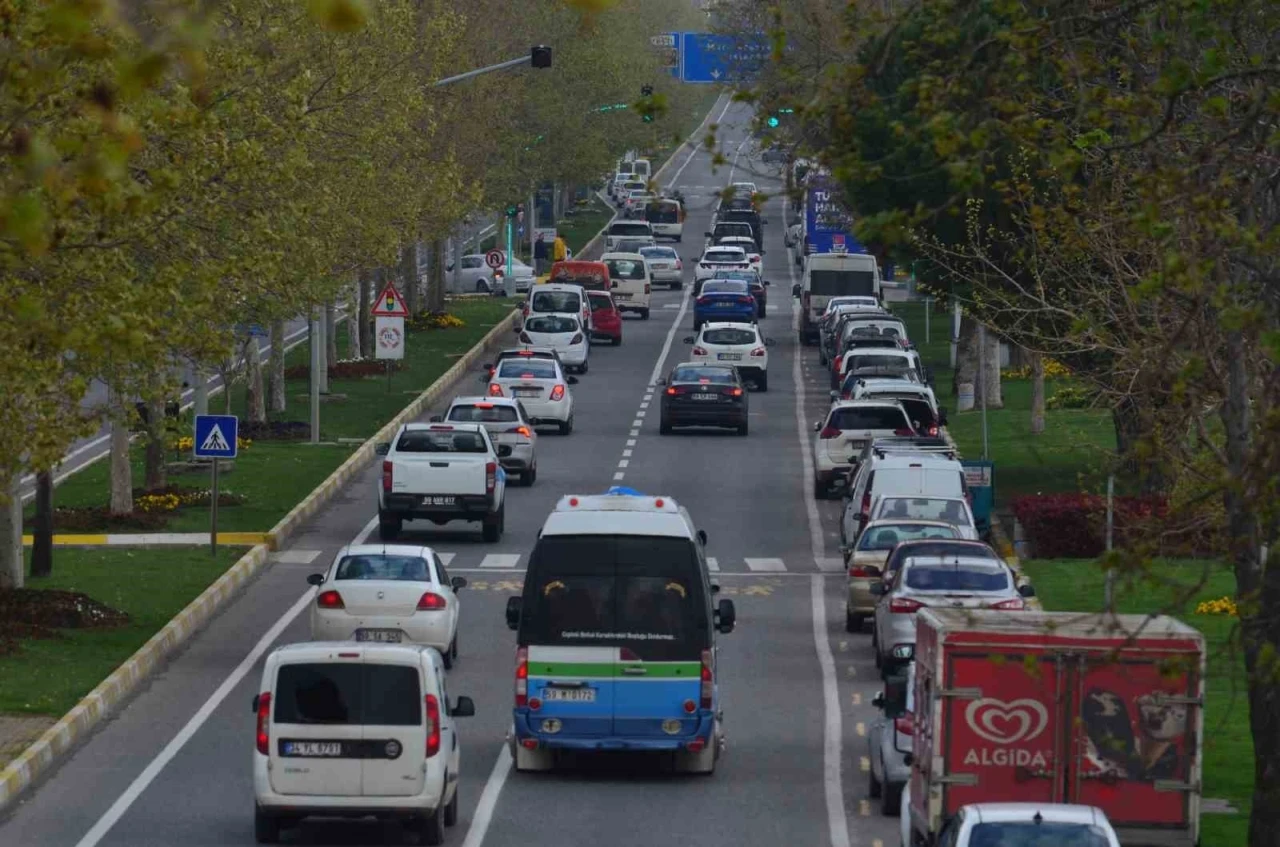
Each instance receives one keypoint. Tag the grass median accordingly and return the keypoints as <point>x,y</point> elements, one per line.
<point>1072,452</point>
<point>273,476</point>
<point>1074,585</point>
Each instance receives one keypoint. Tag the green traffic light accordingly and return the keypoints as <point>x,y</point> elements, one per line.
<point>773,120</point>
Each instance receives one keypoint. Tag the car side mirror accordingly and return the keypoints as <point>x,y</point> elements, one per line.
<point>715,588</point>
<point>702,537</point>
<point>878,700</point>
<point>817,427</point>
<point>1027,590</point>
<point>689,339</point>
<point>458,583</point>
<point>764,221</point>
<point>908,759</point>
<point>254,707</point>
<point>726,616</point>
<point>767,282</point>
<point>382,449</point>
<point>877,588</point>
<point>513,612</point>
<point>763,253</point>
<point>504,450</point>
<point>572,380</point>
<point>436,418</point>
<point>769,342</point>
<point>464,708</point>
<point>315,579</point>
<point>449,266</point>
<point>795,290</point>
<point>834,395</point>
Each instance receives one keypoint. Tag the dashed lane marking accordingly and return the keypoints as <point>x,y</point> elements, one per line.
<point>712,564</point>
<point>295,557</point>
<point>769,564</point>
<point>864,764</point>
<point>445,558</point>
<point>619,476</point>
<point>500,560</point>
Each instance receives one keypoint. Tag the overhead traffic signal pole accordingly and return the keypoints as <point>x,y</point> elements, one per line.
<point>539,57</point>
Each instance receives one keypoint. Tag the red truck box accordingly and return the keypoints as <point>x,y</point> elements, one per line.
<point>1059,707</point>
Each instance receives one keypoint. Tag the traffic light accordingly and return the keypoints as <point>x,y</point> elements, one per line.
<point>773,120</point>
<point>512,211</point>
<point>540,56</point>
<point>646,90</point>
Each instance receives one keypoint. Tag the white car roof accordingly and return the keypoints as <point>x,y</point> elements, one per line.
<point>558,286</point>
<point>889,495</point>
<point>901,385</point>
<point>937,561</point>
<point>902,461</point>
<point>328,651</point>
<point>473,399</point>
<point>619,514</point>
<point>908,521</point>
<point>465,426</point>
<point>634,257</point>
<point>878,351</point>
<point>865,402</point>
<point>1052,812</point>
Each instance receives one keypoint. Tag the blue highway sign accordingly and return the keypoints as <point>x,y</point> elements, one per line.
<point>216,436</point>
<point>709,58</point>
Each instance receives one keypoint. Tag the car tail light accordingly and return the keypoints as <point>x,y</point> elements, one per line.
<point>866,502</point>
<point>671,391</point>
<point>388,472</point>
<point>679,265</point>
<point>524,337</point>
<point>522,677</point>
<point>904,605</point>
<point>521,430</point>
<point>933,430</point>
<point>708,679</point>
<point>577,338</point>
<point>905,724</point>
<point>829,432</point>
<point>735,392</point>
<point>904,431</point>
<point>433,725</point>
<point>557,393</point>
<point>431,602</point>
<point>704,301</point>
<point>699,351</point>
<point>862,572</point>
<point>490,477</point>
<point>759,351</point>
<point>1015,605</point>
<point>330,600</point>
<point>495,390</point>
<point>755,260</point>
<point>264,723</point>
<point>745,301</point>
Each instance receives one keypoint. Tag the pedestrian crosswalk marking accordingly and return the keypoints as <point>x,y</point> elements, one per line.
<point>445,558</point>
<point>215,441</point>
<point>295,557</point>
<point>712,564</point>
<point>500,560</point>
<point>768,564</point>
<point>733,566</point>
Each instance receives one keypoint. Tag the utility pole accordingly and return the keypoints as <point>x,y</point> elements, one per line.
<point>317,363</point>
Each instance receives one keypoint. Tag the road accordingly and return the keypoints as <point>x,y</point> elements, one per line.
<point>173,767</point>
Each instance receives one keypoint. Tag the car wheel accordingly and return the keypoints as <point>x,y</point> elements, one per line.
<point>431,828</point>
<point>874,787</point>
<point>644,314</point>
<point>616,341</point>
<point>266,829</point>
<point>762,384</point>
<point>583,368</point>
<point>529,477</point>
<point>664,428</point>
<point>566,427</point>
<point>819,490</point>
<point>891,800</point>
<point>676,286</point>
<point>482,287</point>
<point>389,529</point>
<point>742,427</point>
<point>493,524</point>
<point>447,655</point>
<point>453,649</point>
<point>451,810</point>
<point>852,622</point>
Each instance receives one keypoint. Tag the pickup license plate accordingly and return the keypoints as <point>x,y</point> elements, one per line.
<point>729,357</point>
<point>568,695</point>
<point>313,749</point>
<point>381,636</point>
<point>705,396</point>
<point>439,500</point>
<point>528,392</point>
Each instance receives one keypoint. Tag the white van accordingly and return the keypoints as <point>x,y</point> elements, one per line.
<point>346,729</point>
<point>828,275</point>
<point>666,216</point>
<point>629,282</point>
<point>905,474</point>
<point>620,229</point>
<point>641,168</point>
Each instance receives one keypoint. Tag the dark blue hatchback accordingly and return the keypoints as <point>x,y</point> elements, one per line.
<point>724,300</point>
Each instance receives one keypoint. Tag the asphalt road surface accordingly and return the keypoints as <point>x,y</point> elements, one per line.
<point>173,768</point>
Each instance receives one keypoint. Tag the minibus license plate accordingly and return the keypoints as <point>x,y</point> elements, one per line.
<point>569,695</point>
<point>313,749</point>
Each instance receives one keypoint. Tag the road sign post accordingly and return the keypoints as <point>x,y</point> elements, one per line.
<point>388,327</point>
<point>216,437</point>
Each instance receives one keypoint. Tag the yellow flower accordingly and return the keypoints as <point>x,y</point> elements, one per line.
<point>1221,606</point>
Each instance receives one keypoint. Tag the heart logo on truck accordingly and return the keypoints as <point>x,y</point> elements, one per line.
<point>1007,723</point>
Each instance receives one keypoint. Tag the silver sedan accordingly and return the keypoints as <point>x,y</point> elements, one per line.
<point>665,266</point>
<point>889,741</point>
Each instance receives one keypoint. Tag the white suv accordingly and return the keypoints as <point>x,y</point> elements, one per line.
<point>847,428</point>
<point>352,730</point>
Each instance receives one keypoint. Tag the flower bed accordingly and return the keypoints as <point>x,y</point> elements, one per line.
<point>276,430</point>
<point>175,497</point>
<point>434,320</point>
<point>99,519</point>
<point>1053,369</point>
<point>346,369</point>
<point>1073,526</point>
<point>40,613</point>
<point>186,444</point>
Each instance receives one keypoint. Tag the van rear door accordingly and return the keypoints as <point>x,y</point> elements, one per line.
<point>664,626</point>
<point>316,734</point>
<point>395,734</point>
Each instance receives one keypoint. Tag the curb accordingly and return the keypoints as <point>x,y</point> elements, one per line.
<point>33,762</point>
<point>154,539</point>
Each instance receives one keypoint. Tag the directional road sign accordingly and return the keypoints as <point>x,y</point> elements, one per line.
<point>709,58</point>
<point>667,46</point>
<point>216,436</point>
<point>389,304</point>
<point>495,259</point>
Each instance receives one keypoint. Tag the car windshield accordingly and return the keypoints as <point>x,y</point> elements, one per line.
<point>663,213</point>
<point>925,509</point>
<point>729,336</point>
<point>527,369</point>
<point>888,536</point>
<point>625,269</point>
<point>600,301</point>
<point>348,694</point>
<point>658,253</point>
<point>556,301</point>
<point>693,373</point>
<point>483,413</point>
<point>724,256</point>
<point>868,417</point>
<point>551,324</point>
<point>732,275</point>
<point>875,360</point>
<point>900,372</point>
<point>624,229</point>
<point>956,577</point>
<point>382,566</point>
<point>724,286</point>
<point>444,440</point>
<point>1042,834</point>
<point>632,245</point>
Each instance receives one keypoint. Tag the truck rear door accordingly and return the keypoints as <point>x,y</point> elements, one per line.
<point>439,460</point>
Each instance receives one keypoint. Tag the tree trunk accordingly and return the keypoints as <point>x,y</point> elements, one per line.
<point>330,333</point>
<point>121,468</point>
<point>277,402</point>
<point>153,473</point>
<point>409,276</point>
<point>1037,393</point>
<point>13,571</point>
<point>353,322</point>
<point>255,395</point>
<point>991,376</point>
<point>42,527</point>
<point>1020,357</point>
<point>966,372</point>
<point>367,279</point>
<point>435,287</point>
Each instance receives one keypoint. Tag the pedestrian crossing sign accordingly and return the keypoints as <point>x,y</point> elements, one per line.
<point>216,436</point>
<point>390,304</point>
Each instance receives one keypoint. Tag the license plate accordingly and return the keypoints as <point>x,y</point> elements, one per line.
<point>663,267</point>
<point>705,396</point>
<point>528,392</point>
<point>383,636</point>
<point>439,500</point>
<point>729,357</point>
<point>723,305</point>
<point>316,749</point>
<point>568,695</point>
<point>617,295</point>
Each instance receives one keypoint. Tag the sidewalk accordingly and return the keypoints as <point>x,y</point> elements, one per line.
<point>17,732</point>
<point>155,539</point>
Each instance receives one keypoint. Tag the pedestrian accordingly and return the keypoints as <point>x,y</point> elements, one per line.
<point>559,248</point>
<point>540,254</point>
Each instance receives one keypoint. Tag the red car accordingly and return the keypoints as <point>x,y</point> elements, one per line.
<point>606,321</point>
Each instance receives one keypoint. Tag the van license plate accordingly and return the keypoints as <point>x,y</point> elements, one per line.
<point>619,295</point>
<point>438,500</point>
<point>385,636</point>
<point>569,695</point>
<point>313,749</point>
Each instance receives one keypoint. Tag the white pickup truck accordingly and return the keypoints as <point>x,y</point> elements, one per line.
<point>442,472</point>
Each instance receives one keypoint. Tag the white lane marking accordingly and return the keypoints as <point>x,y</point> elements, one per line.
<point>671,305</point>
<point>622,463</point>
<point>637,422</point>
<point>626,454</point>
<point>817,543</point>
<point>831,732</point>
<point>500,560</point>
<point>617,477</point>
<point>295,557</point>
<point>631,442</point>
<point>666,345</point>
<point>765,565</point>
<point>644,405</point>
<point>445,558</point>
<point>692,142</point>
<point>165,756</point>
<point>636,431</point>
<point>640,414</point>
<point>712,563</point>
<point>483,814</point>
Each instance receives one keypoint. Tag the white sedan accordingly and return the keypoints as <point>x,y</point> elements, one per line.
<point>474,275</point>
<point>737,344</point>
<point>720,259</point>
<point>540,385</point>
<point>560,332</point>
<point>387,593</point>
